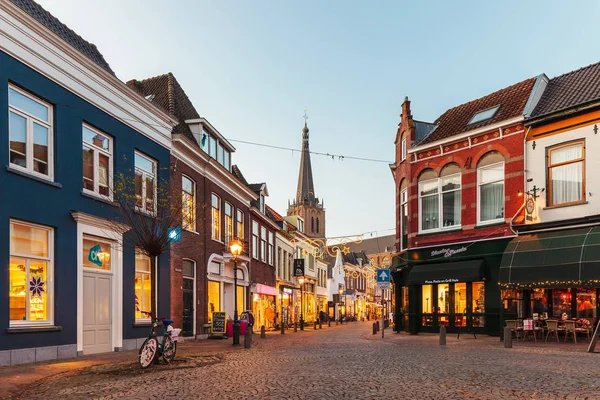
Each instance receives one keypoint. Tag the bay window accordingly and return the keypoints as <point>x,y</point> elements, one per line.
<point>30,283</point>
<point>30,133</point>
<point>490,188</point>
<point>188,194</point>
<point>440,199</point>
<point>97,162</point>
<point>216,217</point>
<point>566,174</point>
<point>145,183</point>
<point>143,285</point>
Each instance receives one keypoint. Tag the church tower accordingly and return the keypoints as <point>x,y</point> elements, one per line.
<point>306,205</point>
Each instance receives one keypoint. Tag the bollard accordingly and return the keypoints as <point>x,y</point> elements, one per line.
<point>320,324</point>
<point>295,327</point>
<point>443,336</point>
<point>282,329</point>
<point>377,324</point>
<point>336,321</point>
<point>248,339</point>
<point>262,331</point>
<point>315,325</point>
<point>329,322</point>
<point>507,338</point>
<point>374,328</point>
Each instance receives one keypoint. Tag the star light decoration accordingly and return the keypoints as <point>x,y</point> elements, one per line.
<point>36,286</point>
<point>320,248</point>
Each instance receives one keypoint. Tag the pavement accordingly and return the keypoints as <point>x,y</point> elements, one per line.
<point>341,362</point>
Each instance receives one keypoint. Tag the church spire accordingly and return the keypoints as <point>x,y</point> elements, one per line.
<point>306,189</point>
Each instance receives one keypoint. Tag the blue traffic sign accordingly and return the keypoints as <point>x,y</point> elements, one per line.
<point>383,275</point>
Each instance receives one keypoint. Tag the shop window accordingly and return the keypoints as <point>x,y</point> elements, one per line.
<point>145,183</point>
<point>97,162</point>
<point>443,299</point>
<point>561,303</point>
<point>228,223</point>
<point>427,305</point>
<point>460,298</point>
<point>478,297</point>
<point>30,274</point>
<point>188,194</point>
<point>30,133</point>
<point>490,192</point>
<point>512,301</point>
<point>586,303</point>
<point>240,224</point>
<point>539,301</point>
<point>566,174</point>
<point>143,286</point>
<point>214,298</point>
<point>216,217</point>
<point>241,295</point>
<point>96,254</point>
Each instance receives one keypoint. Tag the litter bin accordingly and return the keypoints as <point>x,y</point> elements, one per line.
<point>229,328</point>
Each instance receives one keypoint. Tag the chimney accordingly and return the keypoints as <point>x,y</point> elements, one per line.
<point>406,120</point>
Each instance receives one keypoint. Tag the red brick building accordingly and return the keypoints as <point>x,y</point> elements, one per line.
<point>216,210</point>
<point>458,184</point>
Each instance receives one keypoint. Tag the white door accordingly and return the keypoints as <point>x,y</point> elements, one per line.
<point>97,316</point>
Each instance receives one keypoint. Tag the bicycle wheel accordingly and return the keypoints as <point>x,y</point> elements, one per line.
<point>148,352</point>
<point>169,349</point>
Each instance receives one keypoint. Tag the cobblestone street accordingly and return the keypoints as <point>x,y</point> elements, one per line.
<point>347,362</point>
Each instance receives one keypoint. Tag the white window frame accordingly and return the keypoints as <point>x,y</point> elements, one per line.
<point>215,234</point>
<point>479,184</point>
<point>255,239</point>
<point>30,119</point>
<point>97,150</point>
<point>551,166</point>
<point>263,244</point>
<point>144,191</point>
<point>270,247</point>
<point>403,155</point>
<point>49,275</point>
<point>149,273</point>
<point>403,203</point>
<point>440,196</point>
<point>191,217</point>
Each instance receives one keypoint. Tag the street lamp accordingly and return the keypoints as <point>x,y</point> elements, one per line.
<point>301,282</point>
<point>235,246</point>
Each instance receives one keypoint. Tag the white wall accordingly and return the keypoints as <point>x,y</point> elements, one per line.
<point>537,171</point>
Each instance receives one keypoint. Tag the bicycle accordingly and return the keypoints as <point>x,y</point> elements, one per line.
<point>151,348</point>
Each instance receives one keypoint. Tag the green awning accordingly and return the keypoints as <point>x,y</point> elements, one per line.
<point>560,258</point>
<point>458,271</point>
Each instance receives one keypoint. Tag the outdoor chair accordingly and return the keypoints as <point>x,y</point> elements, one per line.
<point>552,326</point>
<point>570,329</point>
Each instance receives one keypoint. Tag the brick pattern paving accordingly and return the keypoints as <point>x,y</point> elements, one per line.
<point>347,362</point>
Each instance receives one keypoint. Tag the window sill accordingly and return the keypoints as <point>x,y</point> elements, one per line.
<point>142,324</point>
<point>32,329</point>
<point>490,224</point>
<point>458,229</point>
<point>565,205</point>
<point>33,177</point>
<point>99,198</point>
<point>218,241</point>
<point>191,231</point>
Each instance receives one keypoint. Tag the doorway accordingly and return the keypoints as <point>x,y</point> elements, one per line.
<point>189,309</point>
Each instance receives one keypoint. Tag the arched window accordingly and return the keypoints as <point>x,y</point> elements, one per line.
<point>312,224</point>
<point>440,199</point>
<point>490,188</point>
<point>317,224</point>
<point>403,215</point>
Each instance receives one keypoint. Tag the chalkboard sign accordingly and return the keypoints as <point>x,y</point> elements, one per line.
<point>218,322</point>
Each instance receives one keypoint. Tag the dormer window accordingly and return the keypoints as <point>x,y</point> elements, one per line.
<point>484,115</point>
<point>214,148</point>
<point>150,97</point>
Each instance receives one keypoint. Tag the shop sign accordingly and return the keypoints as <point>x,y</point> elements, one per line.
<point>287,290</point>
<point>448,252</point>
<point>299,267</point>
<point>449,280</point>
<point>218,322</point>
<point>94,255</point>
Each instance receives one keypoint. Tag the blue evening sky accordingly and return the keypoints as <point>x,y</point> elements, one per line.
<point>252,67</point>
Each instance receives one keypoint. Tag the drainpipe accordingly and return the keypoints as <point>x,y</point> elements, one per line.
<point>524,180</point>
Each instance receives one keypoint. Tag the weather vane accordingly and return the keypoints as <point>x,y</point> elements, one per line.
<point>305,116</point>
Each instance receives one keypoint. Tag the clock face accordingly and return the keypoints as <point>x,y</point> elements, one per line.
<point>529,205</point>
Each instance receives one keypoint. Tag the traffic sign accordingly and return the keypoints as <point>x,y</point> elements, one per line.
<point>383,275</point>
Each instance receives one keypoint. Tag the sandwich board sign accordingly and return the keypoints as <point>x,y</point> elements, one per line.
<point>383,279</point>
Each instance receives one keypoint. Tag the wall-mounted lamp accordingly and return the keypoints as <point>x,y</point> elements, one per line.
<point>533,192</point>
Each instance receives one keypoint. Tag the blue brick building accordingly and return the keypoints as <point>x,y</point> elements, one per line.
<point>69,284</point>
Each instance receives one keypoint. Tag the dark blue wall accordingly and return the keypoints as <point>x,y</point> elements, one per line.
<point>27,199</point>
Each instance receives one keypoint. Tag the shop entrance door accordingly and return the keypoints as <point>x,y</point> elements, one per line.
<point>187,324</point>
<point>97,316</point>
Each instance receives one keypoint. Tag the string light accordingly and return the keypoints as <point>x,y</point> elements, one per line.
<point>539,284</point>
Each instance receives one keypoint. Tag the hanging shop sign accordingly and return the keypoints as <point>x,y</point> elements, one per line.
<point>299,267</point>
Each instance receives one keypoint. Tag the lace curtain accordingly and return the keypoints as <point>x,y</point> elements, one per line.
<point>492,201</point>
<point>567,180</point>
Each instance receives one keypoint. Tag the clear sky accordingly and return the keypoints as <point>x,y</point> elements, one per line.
<point>252,67</point>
